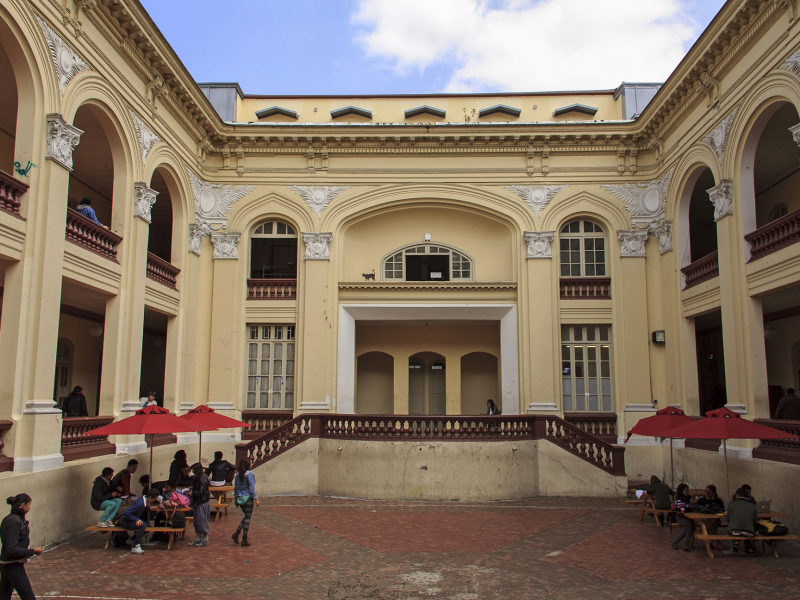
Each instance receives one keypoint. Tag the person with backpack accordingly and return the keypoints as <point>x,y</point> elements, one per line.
<point>682,505</point>
<point>244,490</point>
<point>15,537</point>
<point>202,507</point>
<point>134,519</point>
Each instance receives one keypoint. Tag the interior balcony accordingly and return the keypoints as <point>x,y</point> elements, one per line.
<point>12,224</point>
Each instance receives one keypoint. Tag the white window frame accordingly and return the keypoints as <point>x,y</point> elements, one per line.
<point>260,387</point>
<point>426,250</point>
<point>582,236</point>
<point>576,385</point>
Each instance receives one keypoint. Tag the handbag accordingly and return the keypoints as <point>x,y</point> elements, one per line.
<point>240,500</point>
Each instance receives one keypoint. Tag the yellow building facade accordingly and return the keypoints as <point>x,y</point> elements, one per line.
<point>585,254</point>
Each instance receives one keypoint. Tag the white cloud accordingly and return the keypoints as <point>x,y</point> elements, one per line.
<point>528,45</point>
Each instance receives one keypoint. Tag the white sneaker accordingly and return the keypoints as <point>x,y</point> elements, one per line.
<point>137,550</point>
<point>102,523</point>
<point>109,523</point>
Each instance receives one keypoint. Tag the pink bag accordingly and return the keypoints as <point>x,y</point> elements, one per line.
<point>181,499</point>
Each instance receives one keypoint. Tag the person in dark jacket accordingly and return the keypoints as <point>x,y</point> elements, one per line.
<point>134,519</point>
<point>85,210</point>
<point>201,506</point>
<point>179,469</point>
<point>788,407</point>
<point>743,519</point>
<point>491,408</point>
<point>75,404</point>
<point>714,503</point>
<point>660,493</point>
<point>15,537</point>
<point>105,498</point>
<point>682,505</point>
<point>122,480</point>
<point>218,470</point>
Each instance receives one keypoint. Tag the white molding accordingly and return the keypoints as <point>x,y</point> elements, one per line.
<point>213,201</point>
<point>638,440</point>
<point>645,201</point>
<point>186,406</point>
<point>717,139</point>
<point>184,438</point>
<point>218,437</point>
<point>41,407</point>
<point>314,407</point>
<point>317,245</point>
<point>537,197</point>
<point>721,197</point>
<point>539,243</point>
<point>31,464</point>
<point>132,448</point>
<point>61,140</point>
<point>147,139</point>
<point>318,196</point>
<point>130,406</point>
<point>198,231</point>
<point>632,243</point>
<point>640,408</point>
<point>66,61</point>
<point>543,407</point>
<point>737,408</point>
<point>226,246</point>
<point>143,200</point>
<point>661,229</point>
<point>221,405</point>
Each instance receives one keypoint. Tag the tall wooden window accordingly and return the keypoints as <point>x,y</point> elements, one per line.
<point>273,251</point>
<point>586,368</point>
<point>270,366</point>
<point>582,248</point>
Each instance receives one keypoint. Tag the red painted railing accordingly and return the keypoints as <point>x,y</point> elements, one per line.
<point>701,270</point>
<point>88,234</point>
<point>10,191</point>
<point>161,271</point>
<point>77,441</point>
<point>601,424</point>
<point>400,428</point>
<point>272,289</point>
<point>263,421</point>
<point>585,288</point>
<point>774,236</point>
<point>787,450</point>
<point>6,462</point>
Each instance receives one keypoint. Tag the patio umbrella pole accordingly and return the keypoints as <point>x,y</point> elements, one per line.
<point>671,467</point>
<point>200,449</point>
<point>151,461</point>
<point>727,477</point>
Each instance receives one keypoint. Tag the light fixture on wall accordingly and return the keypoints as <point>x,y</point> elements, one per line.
<point>96,330</point>
<point>427,237</point>
<point>659,337</point>
<point>770,332</point>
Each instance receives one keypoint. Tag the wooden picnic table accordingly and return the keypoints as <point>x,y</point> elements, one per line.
<point>223,502</point>
<point>704,518</point>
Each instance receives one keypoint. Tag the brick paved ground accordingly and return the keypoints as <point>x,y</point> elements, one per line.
<point>312,547</point>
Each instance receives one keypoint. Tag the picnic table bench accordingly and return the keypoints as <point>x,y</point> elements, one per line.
<point>772,540</point>
<point>222,502</point>
<point>170,531</point>
<point>658,513</point>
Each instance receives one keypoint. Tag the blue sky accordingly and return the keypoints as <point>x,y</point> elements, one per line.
<point>428,46</point>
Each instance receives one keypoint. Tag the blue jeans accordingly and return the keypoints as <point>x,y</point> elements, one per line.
<point>130,525</point>
<point>110,508</point>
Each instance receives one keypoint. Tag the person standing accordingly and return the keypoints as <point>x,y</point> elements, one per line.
<point>105,498</point>
<point>76,403</point>
<point>788,407</point>
<point>202,507</point>
<point>15,537</point>
<point>244,490</point>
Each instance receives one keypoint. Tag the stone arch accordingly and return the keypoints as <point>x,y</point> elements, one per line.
<point>375,383</point>
<point>174,174</point>
<point>609,212</point>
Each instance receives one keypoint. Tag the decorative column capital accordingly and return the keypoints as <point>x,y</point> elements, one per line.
<point>61,140</point>
<point>226,245</point>
<point>795,129</point>
<point>317,245</point>
<point>662,230</point>
<point>722,198</point>
<point>632,243</point>
<point>539,243</point>
<point>198,231</point>
<point>143,200</point>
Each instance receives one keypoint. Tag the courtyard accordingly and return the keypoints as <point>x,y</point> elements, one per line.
<point>308,547</point>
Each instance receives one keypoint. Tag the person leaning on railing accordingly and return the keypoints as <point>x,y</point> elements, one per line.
<point>85,210</point>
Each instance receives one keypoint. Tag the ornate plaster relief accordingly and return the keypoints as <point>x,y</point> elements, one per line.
<point>317,245</point>
<point>147,139</point>
<point>632,243</point>
<point>536,196</point>
<point>539,243</point>
<point>722,198</point>
<point>718,138</point>
<point>143,200</point>
<point>61,140</point>
<point>226,245</point>
<point>66,61</point>
<point>318,197</point>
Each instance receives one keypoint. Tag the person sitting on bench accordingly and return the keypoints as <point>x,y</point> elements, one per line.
<point>712,502</point>
<point>105,498</point>
<point>179,470</point>
<point>122,480</point>
<point>219,470</point>
<point>660,493</point>
<point>133,519</point>
<point>743,519</point>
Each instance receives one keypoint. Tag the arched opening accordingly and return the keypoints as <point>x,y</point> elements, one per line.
<point>427,262</point>
<point>375,384</point>
<point>697,229</point>
<point>273,251</point>
<point>9,100</point>
<point>160,238</point>
<point>479,382</point>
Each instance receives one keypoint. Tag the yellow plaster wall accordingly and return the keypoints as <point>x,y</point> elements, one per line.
<point>86,357</point>
<point>786,191</point>
<point>375,384</point>
<point>479,382</point>
<point>780,368</point>
<point>488,241</point>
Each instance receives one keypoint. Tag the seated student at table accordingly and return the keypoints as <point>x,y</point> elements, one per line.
<point>122,480</point>
<point>218,470</point>
<point>179,470</point>
<point>682,505</point>
<point>171,494</point>
<point>743,519</point>
<point>713,503</point>
<point>749,491</point>
<point>105,498</point>
<point>660,493</point>
<point>133,519</point>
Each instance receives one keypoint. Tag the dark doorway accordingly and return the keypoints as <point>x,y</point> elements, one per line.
<point>428,268</point>
<point>273,258</point>
<point>710,361</point>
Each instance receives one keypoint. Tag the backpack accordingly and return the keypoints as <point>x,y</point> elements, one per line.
<point>771,527</point>
<point>179,520</point>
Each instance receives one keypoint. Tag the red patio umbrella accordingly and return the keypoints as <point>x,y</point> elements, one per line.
<point>661,422</point>
<point>208,416</point>
<point>724,424</point>
<point>150,421</point>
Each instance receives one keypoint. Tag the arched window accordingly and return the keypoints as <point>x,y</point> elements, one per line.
<point>779,210</point>
<point>582,248</point>
<point>273,251</point>
<point>63,377</point>
<point>427,262</point>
